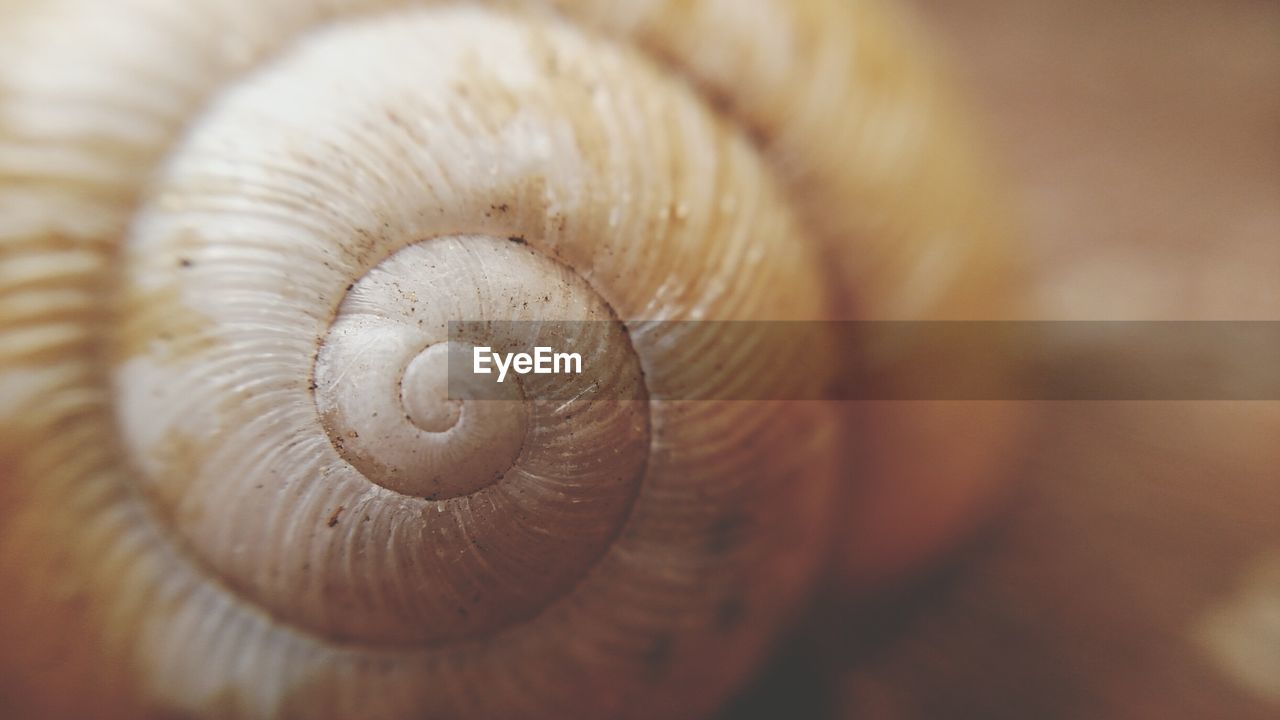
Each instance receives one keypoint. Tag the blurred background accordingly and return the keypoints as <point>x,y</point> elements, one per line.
<point>1134,572</point>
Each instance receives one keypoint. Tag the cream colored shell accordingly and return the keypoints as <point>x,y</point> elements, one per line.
<point>232,234</point>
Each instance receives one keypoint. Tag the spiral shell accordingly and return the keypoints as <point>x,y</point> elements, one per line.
<point>233,235</point>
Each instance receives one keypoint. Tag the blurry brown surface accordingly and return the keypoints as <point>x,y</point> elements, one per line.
<point>1143,141</point>
<point>1135,573</point>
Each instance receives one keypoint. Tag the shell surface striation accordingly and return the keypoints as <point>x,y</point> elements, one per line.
<point>232,236</point>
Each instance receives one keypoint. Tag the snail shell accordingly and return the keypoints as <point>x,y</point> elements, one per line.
<point>233,233</point>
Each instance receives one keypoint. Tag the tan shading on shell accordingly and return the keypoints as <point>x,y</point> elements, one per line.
<point>232,235</point>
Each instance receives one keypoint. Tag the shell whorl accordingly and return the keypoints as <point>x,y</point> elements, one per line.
<point>235,232</point>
